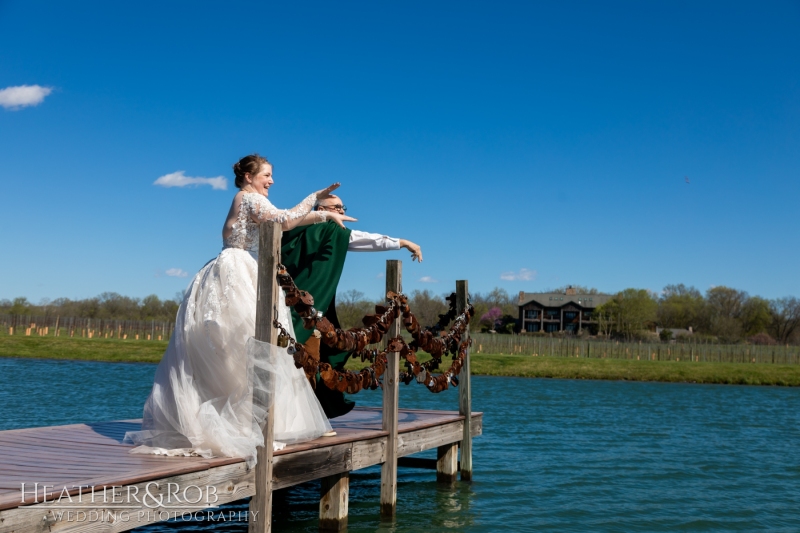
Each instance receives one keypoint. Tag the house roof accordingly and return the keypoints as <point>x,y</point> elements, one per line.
<point>559,299</point>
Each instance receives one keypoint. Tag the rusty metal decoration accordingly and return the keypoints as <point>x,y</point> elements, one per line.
<point>432,340</point>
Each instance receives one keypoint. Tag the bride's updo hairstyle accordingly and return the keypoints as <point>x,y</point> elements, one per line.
<point>252,164</point>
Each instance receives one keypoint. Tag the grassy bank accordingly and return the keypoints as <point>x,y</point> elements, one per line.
<point>82,349</point>
<point>114,350</point>
<point>631,370</point>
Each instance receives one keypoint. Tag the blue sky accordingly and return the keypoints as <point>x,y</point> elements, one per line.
<point>547,142</point>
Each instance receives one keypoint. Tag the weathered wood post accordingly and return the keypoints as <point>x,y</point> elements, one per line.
<point>447,463</point>
<point>394,282</point>
<point>464,391</point>
<point>334,502</point>
<point>269,256</point>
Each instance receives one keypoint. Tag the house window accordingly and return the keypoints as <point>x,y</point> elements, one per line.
<point>550,328</point>
<point>552,314</point>
<point>531,313</point>
<point>570,315</point>
<point>532,327</point>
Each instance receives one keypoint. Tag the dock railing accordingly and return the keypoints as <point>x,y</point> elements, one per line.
<point>335,488</point>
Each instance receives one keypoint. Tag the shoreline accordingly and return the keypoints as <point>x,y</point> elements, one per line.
<point>524,366</point>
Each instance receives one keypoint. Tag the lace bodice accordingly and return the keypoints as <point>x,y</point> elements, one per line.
<point>255,208</point>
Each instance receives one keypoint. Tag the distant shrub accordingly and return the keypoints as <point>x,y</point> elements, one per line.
<point>491,319</point>
<point>644,335</point>
<point>762,339</point>
<point>698,338</point>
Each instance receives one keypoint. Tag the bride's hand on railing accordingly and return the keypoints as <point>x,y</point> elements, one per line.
<point>326,192</point>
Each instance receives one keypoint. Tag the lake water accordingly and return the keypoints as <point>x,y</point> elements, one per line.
<point>556,455</point>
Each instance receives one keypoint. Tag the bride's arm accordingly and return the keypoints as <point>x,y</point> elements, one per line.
<point>261,210</point>
<point>312,217</point>
<point>300,215</point>
<point>315,217</point>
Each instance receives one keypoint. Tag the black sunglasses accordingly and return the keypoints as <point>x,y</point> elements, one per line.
<point>337,206</point>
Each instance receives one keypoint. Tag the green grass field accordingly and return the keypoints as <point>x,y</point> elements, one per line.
<point>625,369</point>
<point>139,351</point>
<point>82,349</point>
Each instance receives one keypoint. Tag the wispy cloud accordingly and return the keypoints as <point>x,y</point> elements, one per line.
<point>179,179</point>
<point>524,274</point>
<point>176,273</point>
<point>428,279</point>
<point>15,98</point>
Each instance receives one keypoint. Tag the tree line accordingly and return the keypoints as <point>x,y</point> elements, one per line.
<point>351,306</point>
<point>722,314</point>
<point>108,305</point>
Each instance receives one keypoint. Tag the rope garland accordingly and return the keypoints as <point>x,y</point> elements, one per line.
<point>355,340</point>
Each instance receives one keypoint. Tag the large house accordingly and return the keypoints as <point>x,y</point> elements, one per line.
<point>550,312</point>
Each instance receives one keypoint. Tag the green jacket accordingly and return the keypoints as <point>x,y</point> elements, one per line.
<point>314,256</point>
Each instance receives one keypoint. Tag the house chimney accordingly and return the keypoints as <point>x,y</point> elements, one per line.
<point>521,297</point>
<point>570,291</point>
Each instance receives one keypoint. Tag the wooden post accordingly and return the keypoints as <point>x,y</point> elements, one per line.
<point>394,282</point>
<point>464,391</point>
<point>334,501</point>
<point>269,256</point>
<point>447,463</point>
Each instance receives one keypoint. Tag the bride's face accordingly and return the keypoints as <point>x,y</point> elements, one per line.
<point>262,181</point>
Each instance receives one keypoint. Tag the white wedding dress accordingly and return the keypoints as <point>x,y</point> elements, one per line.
<point>214,384</point>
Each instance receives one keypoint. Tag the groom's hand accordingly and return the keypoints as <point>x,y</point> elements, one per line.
<point>416,251</point>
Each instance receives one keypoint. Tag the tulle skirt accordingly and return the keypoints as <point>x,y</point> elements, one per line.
<point>215,383</point>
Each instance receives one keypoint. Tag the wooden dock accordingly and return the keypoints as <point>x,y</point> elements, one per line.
<point>81,478</point>
<point>63,458</point>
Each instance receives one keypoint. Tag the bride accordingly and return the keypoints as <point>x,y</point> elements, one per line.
<point>205,396</point>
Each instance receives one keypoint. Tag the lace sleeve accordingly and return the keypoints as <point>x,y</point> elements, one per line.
<point>261,209</point>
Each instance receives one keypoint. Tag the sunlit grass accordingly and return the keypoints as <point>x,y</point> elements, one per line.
<point>140,351</point>
<point>624,369</point>
<point>82,349</point>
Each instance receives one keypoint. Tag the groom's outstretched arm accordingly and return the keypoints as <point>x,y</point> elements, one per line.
<point>362,241</point>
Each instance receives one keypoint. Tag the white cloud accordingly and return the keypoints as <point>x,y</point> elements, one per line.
<point>179,179</point>
<point>176,273</point>
<point>23,96</point>
<point>523,275</point>
<point>428,279</point>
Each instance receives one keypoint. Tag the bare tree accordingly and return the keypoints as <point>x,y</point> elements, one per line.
<point>680,307</point>
<point>351,306</point>
<point>724,312</point>
<point>427,307</point>
<point>785,317</point>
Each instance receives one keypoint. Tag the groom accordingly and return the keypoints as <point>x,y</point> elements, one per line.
<point>314,256</point>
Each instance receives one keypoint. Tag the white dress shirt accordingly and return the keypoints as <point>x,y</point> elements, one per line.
<point>361,241</point>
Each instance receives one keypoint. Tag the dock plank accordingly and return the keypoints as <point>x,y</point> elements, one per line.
<point>93,454</point>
